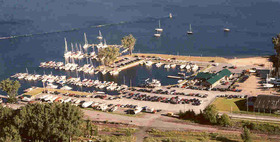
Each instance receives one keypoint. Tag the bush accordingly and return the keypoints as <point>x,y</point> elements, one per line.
<point>246,135</point>
<point>210,114</point>
<point>224,120</point>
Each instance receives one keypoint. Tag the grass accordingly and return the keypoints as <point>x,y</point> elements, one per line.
<point>179,136</point>
<point>234,105</point>
<point>39,90</point>
<point>238,106</point>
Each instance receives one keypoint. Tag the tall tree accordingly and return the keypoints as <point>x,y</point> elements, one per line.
<point>108,55</point>
<point>210,113</point>
<point>129,42</point>
<point>11,88</point>
<point>276,42</point>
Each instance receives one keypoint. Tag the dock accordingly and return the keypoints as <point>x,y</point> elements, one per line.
<point>2,96</point>
<point>130,65</point>
<point>175,77</point>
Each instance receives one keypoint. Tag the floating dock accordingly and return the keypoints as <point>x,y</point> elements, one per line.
<point>175,77</point>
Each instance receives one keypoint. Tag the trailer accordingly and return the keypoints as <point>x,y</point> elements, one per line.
<point>87,104</point>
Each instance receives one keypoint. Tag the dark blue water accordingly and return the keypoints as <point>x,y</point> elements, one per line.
<point>45,23</point>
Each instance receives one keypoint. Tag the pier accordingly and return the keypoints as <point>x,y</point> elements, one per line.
<point>175,77</point>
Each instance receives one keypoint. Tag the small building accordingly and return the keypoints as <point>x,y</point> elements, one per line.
<point>215,79</point>
<point>267,103</point>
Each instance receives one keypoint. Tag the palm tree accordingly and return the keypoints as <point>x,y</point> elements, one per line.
<point>129,42</point>
<point>276,42</point>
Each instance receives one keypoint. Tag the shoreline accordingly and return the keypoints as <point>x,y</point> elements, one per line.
<point>238,61</point>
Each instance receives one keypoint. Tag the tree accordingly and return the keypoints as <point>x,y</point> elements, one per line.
<point>50,122</point>
<point>89,127</point>
<point>246,135</point>
<point>11,88</point>
<point>129,42</point>
<point>210,113</point>
<point>224,120</point>
<point>108,55</point>
<point>276,42</point>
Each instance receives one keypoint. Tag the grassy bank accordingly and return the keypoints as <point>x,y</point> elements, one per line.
<point>159,136</point>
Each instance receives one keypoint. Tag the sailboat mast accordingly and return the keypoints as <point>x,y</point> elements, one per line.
<point>158,23</point>
<point>86,42</point>
<point>72,46</point>
<point>66,48</point>
<point>190,27</point>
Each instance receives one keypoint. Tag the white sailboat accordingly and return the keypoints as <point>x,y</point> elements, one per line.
<point>170,15</point>
<point>99,36</point>
<point>159,29</point>
<point>86,45</point>
<point>267,85</point>
<point>157,34</point>
<point>190,31</point>
<point>226,29</point>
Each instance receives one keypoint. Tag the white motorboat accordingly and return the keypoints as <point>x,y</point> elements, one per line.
<point>182,66</point>
<point>159,64</point>
<point>148,63</point>
<point>173,65</point>
<point>167,66</point>
<point>66,88</point>
<point>226,30</point>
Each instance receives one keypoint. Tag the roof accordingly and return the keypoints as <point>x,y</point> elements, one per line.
<point>219,75</point>
<point>271,102</point>
<point>204,75</point>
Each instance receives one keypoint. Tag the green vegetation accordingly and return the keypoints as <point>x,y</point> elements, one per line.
<point>108,55</point>
<point>129,42</point>
<point>237,105</point>
<point>234,105</point>
<point>208,116</point>
<point>11,88</point>
<point>224,120</point>
<point>269,128</point>
<point>276,43</point>
<point>190,136</point>
<point>40,122</point>
<point>246,135</point>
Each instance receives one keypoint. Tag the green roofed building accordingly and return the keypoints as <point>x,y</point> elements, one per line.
<point>215,79</point>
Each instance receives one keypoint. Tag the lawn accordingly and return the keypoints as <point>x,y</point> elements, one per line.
<point>234,105</point>
<point>39,90</point>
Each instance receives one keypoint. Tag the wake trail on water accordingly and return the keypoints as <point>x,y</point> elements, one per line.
<point>77,29</point>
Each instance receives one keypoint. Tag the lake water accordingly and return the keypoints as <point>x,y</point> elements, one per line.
<point>45,24</point>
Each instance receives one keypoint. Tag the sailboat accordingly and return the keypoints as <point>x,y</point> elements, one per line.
<point>190,31</point>
<point>267,85</point>
<point>99,36</point>
<point>159,29</point>
<point>170,15</point>
<point>157,34</point>
<point>226,29</point>
<point>86,46</point>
